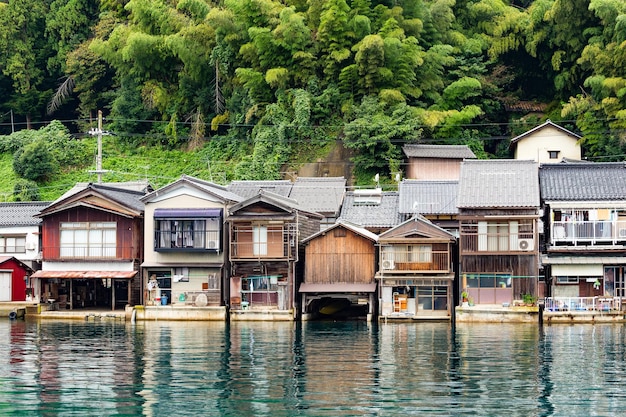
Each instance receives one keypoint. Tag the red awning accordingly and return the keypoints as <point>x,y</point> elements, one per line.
<point>84,274</point>
<point>337,287</point>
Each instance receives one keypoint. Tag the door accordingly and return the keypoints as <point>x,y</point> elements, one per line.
<point>5,285</point>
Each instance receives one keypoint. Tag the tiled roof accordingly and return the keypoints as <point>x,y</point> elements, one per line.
<point>323,194</point>
<point>428,197</point>
<point>122,193</point>
<point>384,214</point>
<point>438,151</point>
<point>506,183</point>
<point>185,180</point>
<point>543,126</point>
<point>247,189</point>
<point>21,213</point>
<point>583,181</point>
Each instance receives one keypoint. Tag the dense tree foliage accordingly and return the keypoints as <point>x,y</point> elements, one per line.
<point>265,82</point>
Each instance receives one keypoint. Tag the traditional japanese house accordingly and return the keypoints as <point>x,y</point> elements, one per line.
<point>20,232</point>
<point>435,162</point>
<point>14,279</point>
<point>339,270</point>
<point>499,215</point>
<point>585,229</point>
<point>265,232</point>
<point>92,239</point>
<point>186,243</point>
<point>416,273</point>
<point>547,143</point>
<point>323,195</point>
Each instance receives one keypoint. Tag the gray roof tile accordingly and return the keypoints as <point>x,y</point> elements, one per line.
<point>247,189</point>
<point>380,215</point>
<point>21,213</point>
<point>583,181</point>
<point>505,183</point>
<point>438,151</point>
<point>320,194</point>
<point>428,197</point>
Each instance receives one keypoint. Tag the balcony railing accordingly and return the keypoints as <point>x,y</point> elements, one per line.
<point>569,304</point>
<point>603,232</point>
<point>403,262</point>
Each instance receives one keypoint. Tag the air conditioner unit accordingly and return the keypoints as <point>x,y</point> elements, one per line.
<point>389,264</point>
<point>525,244</point>
<point>622,232</point>
<point>213,244</point>
<point>30,246</point>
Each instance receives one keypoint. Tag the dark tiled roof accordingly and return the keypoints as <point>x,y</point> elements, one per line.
<point>505,183</point>
<point>380,215</point>
<point>21,213</point>
<point>428,197</point>
<point>320,194</point>
<point>210,188</point>
<point>583,181</point>
<point>247,189</point>
<point>122,193</point>
<point>438,151</point>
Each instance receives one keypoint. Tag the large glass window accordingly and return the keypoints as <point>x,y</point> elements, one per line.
<point>187,233</point>
<point>85,239</point>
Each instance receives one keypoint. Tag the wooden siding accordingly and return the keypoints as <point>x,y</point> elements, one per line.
<point>334,259</point>
<point>434,169</point>
<point>129,232</point>
<point>523,269</point>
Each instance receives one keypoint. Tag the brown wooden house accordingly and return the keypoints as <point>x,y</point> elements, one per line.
<point>339,273</point>
<point>264,235</point>
<point>416,273</point>
<point>435,162</point>
<point>498,213</point>
<point>92,247</point>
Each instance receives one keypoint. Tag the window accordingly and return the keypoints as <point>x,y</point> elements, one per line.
<point>12,244</point>
<point>553,154</point>
<point>567,280</point>
<point>84,239</point>
<point>489,281</point>
<point>187,234</point>
<point>259,240</point>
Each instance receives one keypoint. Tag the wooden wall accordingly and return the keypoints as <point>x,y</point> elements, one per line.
<point>330,258</point>
<point>129,231</point>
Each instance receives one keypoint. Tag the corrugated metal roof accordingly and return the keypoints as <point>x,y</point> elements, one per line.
<point>428,197</point>
<point>597,181</point>
<point>21,213</point>
<point>504,183</point>
<point>385,214</point>
<point>85,274</point>
<point>438,151</point>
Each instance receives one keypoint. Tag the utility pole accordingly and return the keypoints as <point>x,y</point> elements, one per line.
<point>98,132</point>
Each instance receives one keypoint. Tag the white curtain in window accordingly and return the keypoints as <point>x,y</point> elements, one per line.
<point>259,239</point>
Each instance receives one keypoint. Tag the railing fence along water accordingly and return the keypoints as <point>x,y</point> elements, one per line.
<point>601,304</point>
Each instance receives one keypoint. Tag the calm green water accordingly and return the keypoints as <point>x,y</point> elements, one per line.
<point>311,369</point>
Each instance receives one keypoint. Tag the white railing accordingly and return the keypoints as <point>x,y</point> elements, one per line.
<point>601,304</point>
<point>589,231</point>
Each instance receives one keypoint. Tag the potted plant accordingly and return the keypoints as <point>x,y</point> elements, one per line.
<point>465,297</point>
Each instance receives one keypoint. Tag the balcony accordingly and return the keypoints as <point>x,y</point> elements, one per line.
<point>597,232</point>
<point>403,262</point>
<point>570,304</point>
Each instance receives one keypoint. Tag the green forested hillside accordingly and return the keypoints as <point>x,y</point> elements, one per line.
<point>249,89</point>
